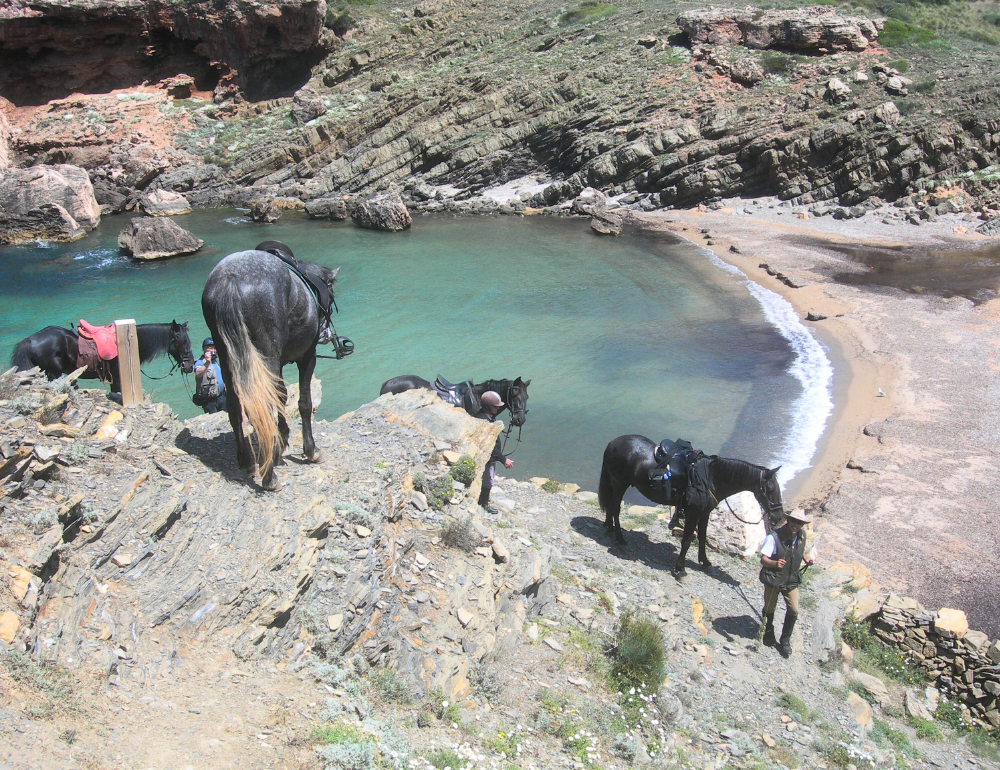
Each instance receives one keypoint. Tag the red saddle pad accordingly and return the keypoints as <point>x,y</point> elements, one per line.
<point>104,336</point>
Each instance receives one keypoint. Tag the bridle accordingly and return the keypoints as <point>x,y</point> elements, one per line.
<point>761,494</point>
<point>507,433</point>
<point>178,363</point>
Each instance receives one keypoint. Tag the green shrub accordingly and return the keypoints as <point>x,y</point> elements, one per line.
<point>443,758</point>
<point>419,481</point>
<point>587,12</point>
<point>795,705</point>
<point>636,652</point>
<point>552,486</point>
<point>900,65</point>
<point>464,470</point>
<point>881,732</point>
<point>460,534</point>
<point>873,654</point>
<point>77,453</point>
<point>439,492</point>
<point>925,729</point>
<point>391,687</point>
<point>898,33</point>
<point>777,63</point>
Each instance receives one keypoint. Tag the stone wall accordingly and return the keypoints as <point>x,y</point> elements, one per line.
<point>963,664</point>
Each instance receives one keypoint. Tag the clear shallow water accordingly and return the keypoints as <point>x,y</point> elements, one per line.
<point>638,334</point>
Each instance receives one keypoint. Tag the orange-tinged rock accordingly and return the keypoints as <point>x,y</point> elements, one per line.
<point>9,623</point>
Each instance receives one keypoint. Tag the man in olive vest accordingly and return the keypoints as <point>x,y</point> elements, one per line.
<point>781,557</point>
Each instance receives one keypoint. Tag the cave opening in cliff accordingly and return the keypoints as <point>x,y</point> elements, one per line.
<point>59,59</point>
<point>281,77</point>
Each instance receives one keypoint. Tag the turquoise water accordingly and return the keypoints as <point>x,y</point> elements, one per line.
<point>639,334</point>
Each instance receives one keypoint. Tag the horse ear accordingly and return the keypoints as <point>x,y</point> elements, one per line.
<point>527,383</point>
<point>774,471</point>
<point>174,324</point>
<point>333,275</point>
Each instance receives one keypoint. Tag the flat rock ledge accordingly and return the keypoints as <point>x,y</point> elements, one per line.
<point>812,30</point>
<point>149,238</point>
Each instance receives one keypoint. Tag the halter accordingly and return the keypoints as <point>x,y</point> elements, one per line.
<point>762,492</point>
<point>510,427</point>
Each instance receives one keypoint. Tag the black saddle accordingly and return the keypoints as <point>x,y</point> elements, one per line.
<point>457,394</point>
<point>674,460</point>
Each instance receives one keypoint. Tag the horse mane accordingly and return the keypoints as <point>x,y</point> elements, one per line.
<point>498,386</point>
<point>739,470</point>
<point>154,339</point>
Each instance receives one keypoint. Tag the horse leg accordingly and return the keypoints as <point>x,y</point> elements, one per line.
<point>689,527</point>
<point>703,541</point>
<point>306,367</point>
<point>283,430</point>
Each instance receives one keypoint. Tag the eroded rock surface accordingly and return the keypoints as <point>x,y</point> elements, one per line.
<point>149,238</point>
<point>46,202</point>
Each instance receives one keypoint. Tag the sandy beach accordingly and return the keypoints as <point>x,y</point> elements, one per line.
<point>903,482</point>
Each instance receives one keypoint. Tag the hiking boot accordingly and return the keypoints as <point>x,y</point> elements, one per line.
<point>492,510</point>
<point>785,645</point>
<point>769,640</point>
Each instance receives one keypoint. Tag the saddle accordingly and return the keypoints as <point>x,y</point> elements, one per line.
<point>457,394</point>
<point>676,463</point>
<point>322,293</point>
<point>104,337</point>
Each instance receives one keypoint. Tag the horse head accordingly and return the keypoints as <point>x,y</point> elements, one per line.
<point>768,494</point>
<point>179,347</point>
<point>517,401</point>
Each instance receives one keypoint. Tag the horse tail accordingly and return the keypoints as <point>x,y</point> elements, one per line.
<point>605,489</point>
<point>256,387</point>
<point>21,357</point>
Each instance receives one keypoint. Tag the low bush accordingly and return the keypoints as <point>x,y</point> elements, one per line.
<point>391,687</point>
<point>464,470</point>
<point>794,705</point>
<point>440,491</point>
<point>587,12</point>
<point>551,486</point>
<point>925,729</point>
<point>636,652</point>
<point>878,657</point>
<point>443,758</point>
<point>898,33</point>
<point>460,534</point>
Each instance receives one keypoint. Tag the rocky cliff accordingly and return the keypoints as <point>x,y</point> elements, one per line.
<point>155,605</point>
<point>668,107</point>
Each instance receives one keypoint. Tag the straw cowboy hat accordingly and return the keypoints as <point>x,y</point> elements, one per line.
<point>799,515</point>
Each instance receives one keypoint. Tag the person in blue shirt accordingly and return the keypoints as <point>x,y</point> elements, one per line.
<point>210,390</point>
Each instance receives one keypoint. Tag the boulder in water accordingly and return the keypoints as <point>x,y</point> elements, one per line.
<point>164,203</point>
<point>155,238</point>
<point>54,203</point>
<point>606,224</point>
<point>384,211</point>
<point>327,208</point>
<point>590,202</point>
<point>265,211</point>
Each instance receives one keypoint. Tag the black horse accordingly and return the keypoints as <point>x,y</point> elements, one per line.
<point>54,349</point>
<point>514,394</point>
<point>263,315</point>
<point>627,462</point>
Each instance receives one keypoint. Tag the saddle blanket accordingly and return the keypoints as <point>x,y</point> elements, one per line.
<point>87,356</point>
<point>104,336</point>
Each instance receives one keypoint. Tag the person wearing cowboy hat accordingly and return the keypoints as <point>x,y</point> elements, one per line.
<point>492,404</point>
<point>781,556</point>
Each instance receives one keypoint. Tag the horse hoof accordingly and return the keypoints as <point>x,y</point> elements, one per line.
<point>315,457</point>
<point>679,573</point>
<point>271,486</point>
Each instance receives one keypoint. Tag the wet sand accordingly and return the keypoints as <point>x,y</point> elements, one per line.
<point>906,482</point>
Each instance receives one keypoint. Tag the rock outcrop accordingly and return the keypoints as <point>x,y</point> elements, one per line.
<point>809,30</point>
<point>384,211</point>
<point>149,238</point>
<point>46,202</point>
<point>164,203</point>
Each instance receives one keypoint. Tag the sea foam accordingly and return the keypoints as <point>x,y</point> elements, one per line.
<point>811,367</point>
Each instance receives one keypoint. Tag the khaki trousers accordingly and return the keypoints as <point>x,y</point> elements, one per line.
<point>771,600</point>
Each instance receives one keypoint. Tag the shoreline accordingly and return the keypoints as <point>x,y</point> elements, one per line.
<point>867,484</point>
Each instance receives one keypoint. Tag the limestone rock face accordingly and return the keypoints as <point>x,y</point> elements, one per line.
<point>327,208</point>
<point>164,203</point>
<point>47,202</point>
<point>306,105</point>
<point>155,238</point>
<point>808,29</point>
<point>385,211</point>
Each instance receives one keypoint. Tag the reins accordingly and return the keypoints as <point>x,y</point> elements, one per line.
<point>510,427</point>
